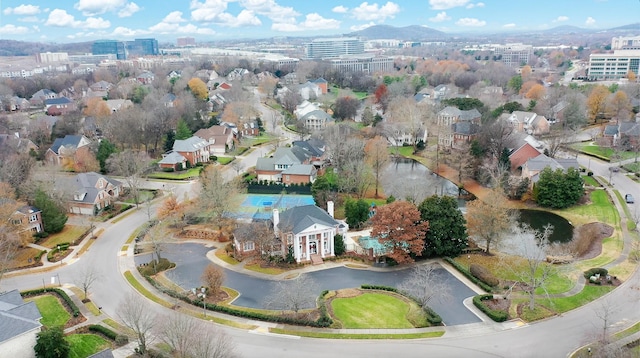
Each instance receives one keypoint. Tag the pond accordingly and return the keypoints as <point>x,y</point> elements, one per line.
<point>537,219</point>
<point>406,178</point>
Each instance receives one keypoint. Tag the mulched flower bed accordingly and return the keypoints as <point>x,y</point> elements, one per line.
<point>498,304</point>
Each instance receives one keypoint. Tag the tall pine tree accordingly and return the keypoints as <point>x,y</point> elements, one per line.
<point>54,215</point>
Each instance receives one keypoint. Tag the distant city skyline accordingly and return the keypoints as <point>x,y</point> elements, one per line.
<point>211,20</point>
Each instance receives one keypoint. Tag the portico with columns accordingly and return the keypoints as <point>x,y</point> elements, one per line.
<point>309,230</point>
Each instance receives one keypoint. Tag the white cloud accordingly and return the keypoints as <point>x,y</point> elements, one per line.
<point>446,4</point>
<point>127,32</point>
<point>10,29</point>
<point>511,25</point>
<point>312,22</point>
<point>207,11</point>
<point>361,27</point>
<point>174,17</point>
<point>60,18</point>
<point>22,10</point>
<point>374,12</point>
<point>561,19</point>
<point>95,7</point>
<point>472,5</point>
<point>468,21</point>
<point>244,18</point>
<point>441,16</point>
<point>590,21</point>
<point>29,19</point>
<point>128,10</point>
<point>340,9</point>
<point>271,9</point>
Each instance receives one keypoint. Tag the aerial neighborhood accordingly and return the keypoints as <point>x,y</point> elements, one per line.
<point>296,186</point>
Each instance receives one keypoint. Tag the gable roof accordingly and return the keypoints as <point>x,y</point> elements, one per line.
<point>291,155</point>
<point>299,169</point>
<point>69,141</point>
<point>299,218</point>
<point>465,128</point>
<point>520,156</point>
<point>630,129</point>
<point>55,101</point>
<point>85,183</point>
<point>172,158</point>
<point>191,144</point>
<point>314,146</point>
<point>317,114</point>
<point>16,316</point>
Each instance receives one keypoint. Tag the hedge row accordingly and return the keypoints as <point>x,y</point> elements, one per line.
<point>432,316</point>
<point>75,311</point>
<point>323,321</point>
<point>468,275</point>
<point>104,331</point>
<point>498,316</point>
<point>379,287</point>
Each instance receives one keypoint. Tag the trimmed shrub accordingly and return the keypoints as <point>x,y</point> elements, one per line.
<point>379,287</point>
<point>168,170</point>
<point>154,267</point>
<point>468,274</point>
<point>498,316</point>
<point>596,270</point>
<point>432,316</point>
<point>104,331</point>
<point>481,273</point>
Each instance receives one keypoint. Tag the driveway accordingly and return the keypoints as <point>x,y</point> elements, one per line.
<point>190,259</point>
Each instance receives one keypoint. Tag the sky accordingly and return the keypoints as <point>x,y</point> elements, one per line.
<point>211,20</point>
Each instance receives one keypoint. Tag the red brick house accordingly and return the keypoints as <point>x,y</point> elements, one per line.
<point>520,156</point>
<point>194,149</point>
<point>59,106</point>
<point>69,146</point>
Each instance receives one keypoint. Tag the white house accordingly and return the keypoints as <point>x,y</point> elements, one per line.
<point>309,230</point>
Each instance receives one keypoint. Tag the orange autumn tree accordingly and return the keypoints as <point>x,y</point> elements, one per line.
<point>400,229</point>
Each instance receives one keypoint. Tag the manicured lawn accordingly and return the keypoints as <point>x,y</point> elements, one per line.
<point>181,175</point>
<point>69,234</point>
<point>602,152</point>
<point>222,255</point>
<point>266,270</point>
<point>403,151</point>
<point>84,345</point>
<point>371,310</point>
<point>600,209</point>
<point>225,160</point>
<point>52,311</point>
<point>143,195</point>
<point>588,294</point>
<point>263,138</point>
<point>589,180</point>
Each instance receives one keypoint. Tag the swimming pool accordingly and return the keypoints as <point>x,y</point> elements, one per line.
<point>368,242</point>
<point>260,206</point>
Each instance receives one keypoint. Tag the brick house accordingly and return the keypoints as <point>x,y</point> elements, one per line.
<point>219,137</point>
<point>59,106</point>
<point>194,149</point>
<point>29,218</point>
<point>464,126</point>
<point>293,161</point>
<point>92,193</point>
<point>69,146</point>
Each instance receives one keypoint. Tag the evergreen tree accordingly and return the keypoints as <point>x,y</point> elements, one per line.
<point>169,138</point>
<point>182,130</point>
<point>50,343</point>
<point>447,235</point>
<point>338,245</point>
<point>557,189</point>
<point>105,149</point>
<point>356,211</point>
<point>53,214</point>
<point>504,160</point>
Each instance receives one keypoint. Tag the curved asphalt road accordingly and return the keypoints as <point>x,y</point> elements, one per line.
<point>190,259</point>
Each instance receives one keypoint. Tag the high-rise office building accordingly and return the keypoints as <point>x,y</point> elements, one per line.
<point>334,47</point>
<point>513,55</point>
<point>107,47</point>
<point>613,66</point>
<point>143,47</point>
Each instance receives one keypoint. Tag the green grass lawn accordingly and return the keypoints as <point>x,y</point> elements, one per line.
<point>69,234</point>
<point>262,139</point>
<point>181,175</point>
<point>143,196</point>
<point>84,345</point>
<point>602,152</point>
<point>589,180</point>
<point>225,160</point>
<point>405,151</point>
<point>371,310</point>
<point>588,294</point>
<point>52,311</point>
<point>600,209</point>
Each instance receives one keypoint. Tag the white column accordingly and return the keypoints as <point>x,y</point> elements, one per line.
<point>322,245</point>
<point>296,247</point>
<point>307,246</point>
<point>333,232</point>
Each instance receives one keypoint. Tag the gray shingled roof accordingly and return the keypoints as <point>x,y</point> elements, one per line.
<point>317,114</point>
<point>107,353</point>
<point>86,183</point>
<point>299,169</point>
<point>265,164</point>
<point>299,218</point>
<point>610,130</point>
<point>16,316</point>
<point>172,158</point>
<point>54,101</point>
<point>67,141</point>
<point>189,145</point>
<point>313,146</point>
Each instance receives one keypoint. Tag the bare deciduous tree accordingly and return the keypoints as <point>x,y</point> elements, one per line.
<point>191,338</point>
<point>136,315</point>
<point>423,285</point>
<point>489,219</point>
<point>218,196</point>
<point>86,278</point>
<point>132,165</point>
<point>377,157</point>
<point>212,278</point>
<point>293,295</point>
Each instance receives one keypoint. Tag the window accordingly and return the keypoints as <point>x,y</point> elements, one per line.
<point>248,246</point>
<point>33,218</point>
